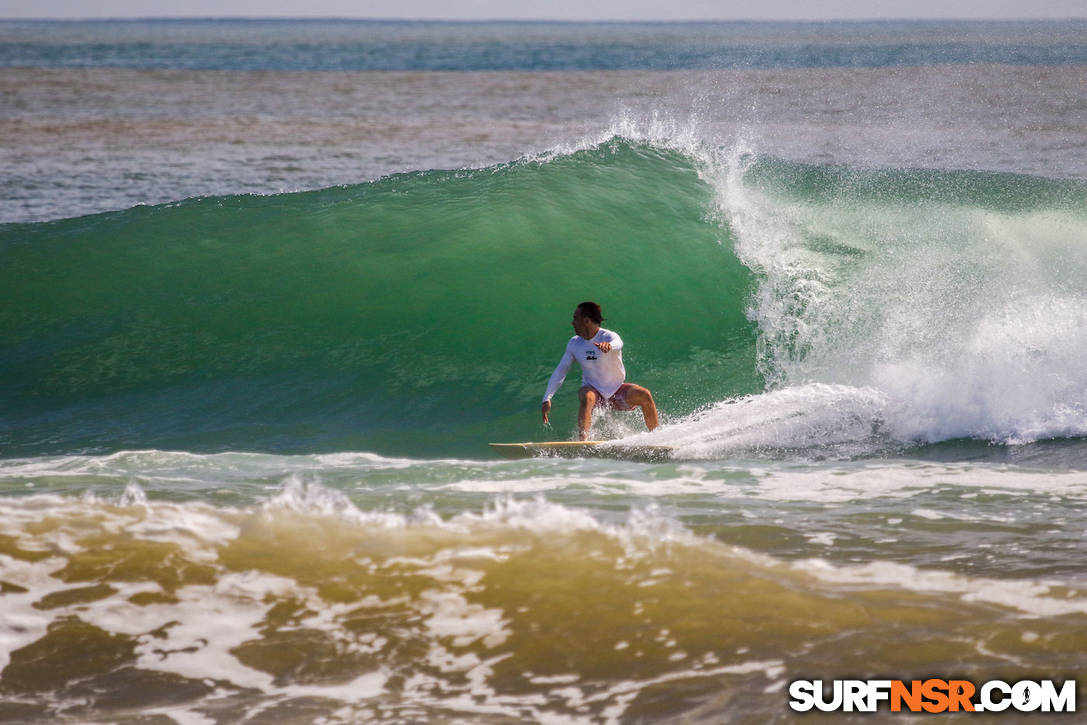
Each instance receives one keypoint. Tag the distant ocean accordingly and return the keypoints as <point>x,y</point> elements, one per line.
<point>268,288</point>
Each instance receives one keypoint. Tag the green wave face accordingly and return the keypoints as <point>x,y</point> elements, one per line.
<point>421,314</point>
<point>417,314</point>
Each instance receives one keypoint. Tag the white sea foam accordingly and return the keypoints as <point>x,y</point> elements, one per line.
<point>950,321</point>
<point>1026,596</point>
<point>22,623</point>
<point>799,418</point>
<point>310,497</point>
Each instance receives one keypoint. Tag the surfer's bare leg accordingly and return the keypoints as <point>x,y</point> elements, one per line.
<point>588,398</point>
<point>642,398</point>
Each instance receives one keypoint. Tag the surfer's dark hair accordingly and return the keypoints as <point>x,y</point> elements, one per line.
<point>592,311</point>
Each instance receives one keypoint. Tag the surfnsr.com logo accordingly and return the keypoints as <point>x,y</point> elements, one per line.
<point>932,695</point>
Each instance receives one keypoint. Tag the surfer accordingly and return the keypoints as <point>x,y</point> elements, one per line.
<point>603,377</point>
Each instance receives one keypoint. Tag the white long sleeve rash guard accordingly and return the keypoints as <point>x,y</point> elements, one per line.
<point>602,370</point>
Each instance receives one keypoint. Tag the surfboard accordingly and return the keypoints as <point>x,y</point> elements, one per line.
<point>583,449</point>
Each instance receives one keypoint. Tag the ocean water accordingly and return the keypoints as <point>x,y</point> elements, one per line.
<point>267,290</point>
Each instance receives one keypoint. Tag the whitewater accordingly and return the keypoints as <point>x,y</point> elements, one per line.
<point>273,288</point>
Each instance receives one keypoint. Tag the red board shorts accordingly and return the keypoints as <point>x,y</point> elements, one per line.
<point>618,401</point>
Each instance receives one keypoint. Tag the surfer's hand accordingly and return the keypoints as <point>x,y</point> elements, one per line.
<point>545,409</point>
<point>603,346</point>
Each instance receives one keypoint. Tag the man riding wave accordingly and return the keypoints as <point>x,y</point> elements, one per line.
<point>603,377</point>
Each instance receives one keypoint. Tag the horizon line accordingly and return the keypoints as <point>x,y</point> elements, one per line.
<point>564,21</point>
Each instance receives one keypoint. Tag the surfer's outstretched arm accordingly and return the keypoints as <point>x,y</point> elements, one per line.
<point>556,381</point>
